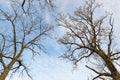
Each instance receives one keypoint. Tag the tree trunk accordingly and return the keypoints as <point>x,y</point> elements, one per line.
<point>4,74</point>
<point>7,70</point>
<point>115,75</point>
<point>114,72</point>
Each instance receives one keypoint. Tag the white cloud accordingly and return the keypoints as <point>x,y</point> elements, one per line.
<point>68,5</point>
<point>113,7</point>
<point>53,68</point>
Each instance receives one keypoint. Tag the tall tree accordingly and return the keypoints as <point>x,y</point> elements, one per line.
<point>89,36</point>
<point>21,32</point>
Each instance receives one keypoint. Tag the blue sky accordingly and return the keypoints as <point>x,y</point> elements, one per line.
<point>49,66</point>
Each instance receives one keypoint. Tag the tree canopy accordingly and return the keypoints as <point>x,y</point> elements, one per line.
<point>23,29</point>
<point>89,36</point>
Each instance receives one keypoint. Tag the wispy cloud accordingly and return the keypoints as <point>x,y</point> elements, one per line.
<point>52,68</point>
<point>112,6</point>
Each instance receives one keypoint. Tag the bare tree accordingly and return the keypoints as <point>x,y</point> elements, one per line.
<point>89,36</point>
<point>22,29</point>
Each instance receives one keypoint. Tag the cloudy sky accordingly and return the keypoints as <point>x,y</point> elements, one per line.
<point>50,67</point>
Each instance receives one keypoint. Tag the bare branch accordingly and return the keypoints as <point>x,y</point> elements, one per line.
<point>88,35</point>
<point>24,31</point>
<point>99,73</point>
<point>110,37</point>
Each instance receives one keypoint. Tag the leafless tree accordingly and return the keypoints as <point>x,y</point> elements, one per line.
<point>22,31</point>
<point>89,36</point>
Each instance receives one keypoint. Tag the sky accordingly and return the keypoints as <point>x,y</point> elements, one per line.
<point>50,66</point>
